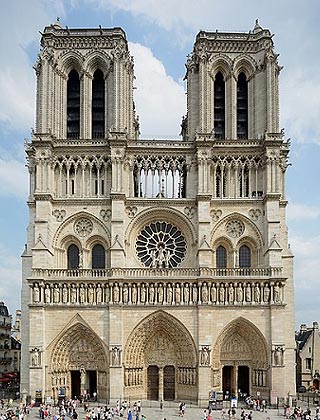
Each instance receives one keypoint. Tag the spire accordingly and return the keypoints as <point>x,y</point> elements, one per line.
<point>257,28</point>
<point>57,24</point>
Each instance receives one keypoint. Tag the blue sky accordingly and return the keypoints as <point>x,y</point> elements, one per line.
<point>160,35</point>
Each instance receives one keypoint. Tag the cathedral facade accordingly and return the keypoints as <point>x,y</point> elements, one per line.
<point>157,269</point>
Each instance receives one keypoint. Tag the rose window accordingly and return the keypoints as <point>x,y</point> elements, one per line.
<point>83,227</point>
<point>161,245</point>
<point>235,228</point>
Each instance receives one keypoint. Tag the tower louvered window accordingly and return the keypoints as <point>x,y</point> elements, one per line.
<point>219,106</point>
<point>73,105</point>
<point>242,107</point>
<point>98,105</point>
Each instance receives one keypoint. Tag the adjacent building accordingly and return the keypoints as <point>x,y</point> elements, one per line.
<point>308,357</point>
<point>157,269</point>
<point>10,350</point>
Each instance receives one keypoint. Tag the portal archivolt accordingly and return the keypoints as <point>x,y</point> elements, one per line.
<point>160,359</point>
<point>79,362</point>
<point>240,359</point>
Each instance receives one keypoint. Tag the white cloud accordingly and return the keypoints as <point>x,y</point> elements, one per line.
<point>298,211</point>
<point>306,278</point>
<point>13,178</point>
<point>17,32</point>
<point>160,100</point>
<point>10,275</point>
<point>301,105</point>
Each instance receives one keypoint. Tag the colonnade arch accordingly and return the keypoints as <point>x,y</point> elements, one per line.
<point>241,360</point>
<point>78,362</point>
<point>160,360</point>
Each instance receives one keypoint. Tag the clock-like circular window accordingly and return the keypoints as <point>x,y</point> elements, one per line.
<point>161,245</point>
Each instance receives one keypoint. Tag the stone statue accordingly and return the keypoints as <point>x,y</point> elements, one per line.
<point>169,294</point>
<point>83,379</point>
<point>195,294</point>
<point>36,293</point>
<point>151,294</point>
<point>73,294</point>
<point>134,294</point>
<point>160,293</point>
<point>178,294</point>
<point>205,356</point>
<point>248,292</point>
<point>125,293</point>
<point>107,293</point>
<point>99,294</point>
<point>276,293</point>
<point>221,294</point>
<point>257,293</point>
<point>64,294</point>
<point>116,293</point>
<point>204,293</point>
<point>239,293</point>
<point>81,294</point>
<point>47,294</point>
<point>143,293</point>
<point>35,358</point>
<point>231,294</point>
<point>266,293</point>
<point>186,294</point>
<point>56,294</point>
<point>90,294</point>
<point>213,293</point>
<point>115,356</point>
<point>278,356</point>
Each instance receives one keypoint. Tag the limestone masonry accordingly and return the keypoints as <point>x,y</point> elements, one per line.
<point>157,269</point>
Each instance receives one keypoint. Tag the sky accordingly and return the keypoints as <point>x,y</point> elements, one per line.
<point>161,33</point>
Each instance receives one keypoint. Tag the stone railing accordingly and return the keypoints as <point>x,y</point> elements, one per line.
<point>83,273</point>
<point>149,293</point>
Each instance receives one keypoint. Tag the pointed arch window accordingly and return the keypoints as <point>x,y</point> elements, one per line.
<point>73,257</point>
<point>73,105</point>
<point>98,256</point>
<point>221,257</point>
<point>98,105</point>
<point>244,257</point>
<point>219,106</point>
<point>242,106</point>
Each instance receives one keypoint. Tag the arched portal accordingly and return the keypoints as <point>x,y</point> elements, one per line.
<point>240,360</point>
<point>160,360</point>
<point>79,363</point>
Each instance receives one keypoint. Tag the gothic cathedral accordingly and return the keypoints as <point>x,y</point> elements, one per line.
<point>157,269</point>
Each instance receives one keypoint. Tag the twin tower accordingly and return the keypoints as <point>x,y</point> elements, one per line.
<point>157,269</point>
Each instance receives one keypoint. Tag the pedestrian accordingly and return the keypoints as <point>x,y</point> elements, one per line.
<point>161,404</point>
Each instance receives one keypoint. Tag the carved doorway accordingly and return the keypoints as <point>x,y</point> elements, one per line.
<point>243,380</point>
<point>227,381</point>
<point>162,348</point>
<point>92,382</point>
<point>169,383</point>
<point>79,362</point>
<point>153,383</point>
<point>75,384</point>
